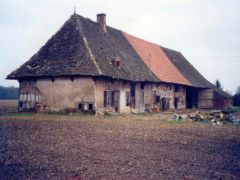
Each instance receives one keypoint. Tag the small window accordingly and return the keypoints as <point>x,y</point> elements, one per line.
<point>80,106</point>
<point>90,106</point>
<point>116,61</point>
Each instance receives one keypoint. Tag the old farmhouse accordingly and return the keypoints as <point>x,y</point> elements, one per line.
<point>89,66</point>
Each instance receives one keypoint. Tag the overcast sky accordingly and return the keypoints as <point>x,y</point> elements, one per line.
<point>207,32</point>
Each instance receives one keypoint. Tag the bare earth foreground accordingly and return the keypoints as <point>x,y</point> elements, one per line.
<point>116,147</point>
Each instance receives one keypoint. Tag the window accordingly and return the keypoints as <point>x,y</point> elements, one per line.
<point>111,98</point>
<point>37,98</point>
<point>80,106</point>
<point>116,61</point>
<point>85,106</point>
<point>27,101</point>
<point>128,102</point>
<point>90,106</point>
<point>108,96</point>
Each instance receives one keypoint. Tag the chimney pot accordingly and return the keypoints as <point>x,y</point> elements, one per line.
<point>101,19</point>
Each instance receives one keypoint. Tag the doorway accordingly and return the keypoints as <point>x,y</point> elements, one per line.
<point>176,99</point>
<point>116,101</point>
<point>165,103</point>
<point>191,98</point>
<point>132,95</point>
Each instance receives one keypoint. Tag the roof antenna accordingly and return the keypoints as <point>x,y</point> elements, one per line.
<point>74,8</point>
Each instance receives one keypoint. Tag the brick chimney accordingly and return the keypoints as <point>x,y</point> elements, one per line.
<point>101,19</point>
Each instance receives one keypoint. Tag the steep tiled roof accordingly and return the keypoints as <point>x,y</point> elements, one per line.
<point>81,47</point>
<point>63,54</point>
<point>155,58</point>
<point>186,69</point>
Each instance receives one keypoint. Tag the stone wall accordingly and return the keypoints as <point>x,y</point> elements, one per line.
<point>102,85</point>
<point>60,93</point>
<point>162,90</point>
<point>63,92</point>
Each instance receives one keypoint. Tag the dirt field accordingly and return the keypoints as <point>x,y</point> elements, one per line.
<point>116,147</point>
<point>8,106</point>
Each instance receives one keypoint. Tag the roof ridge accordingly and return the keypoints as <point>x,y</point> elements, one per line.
<point>170,49</point>
<point>86,44</point>
<point>142,39</point>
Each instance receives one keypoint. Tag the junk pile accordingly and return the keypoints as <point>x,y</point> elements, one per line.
<point>216,117</point>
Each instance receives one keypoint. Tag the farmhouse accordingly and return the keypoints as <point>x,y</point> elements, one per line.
<point>89,66</point>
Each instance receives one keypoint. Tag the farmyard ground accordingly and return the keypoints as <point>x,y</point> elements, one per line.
<point>116,147</point>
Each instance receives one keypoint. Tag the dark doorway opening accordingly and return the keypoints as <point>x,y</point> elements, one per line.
<point>176,99</point>
<point>116,101</point>
<point>165,104</point>
<point>191,98</point>
<point>132,94</point>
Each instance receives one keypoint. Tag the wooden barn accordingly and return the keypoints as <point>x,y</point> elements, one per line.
<point>88,66</point>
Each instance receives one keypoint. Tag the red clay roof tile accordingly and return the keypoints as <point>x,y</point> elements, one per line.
<point>154,57</point>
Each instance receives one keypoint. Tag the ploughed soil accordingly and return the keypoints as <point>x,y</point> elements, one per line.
<point>8,106</point>
<point>116,147</point>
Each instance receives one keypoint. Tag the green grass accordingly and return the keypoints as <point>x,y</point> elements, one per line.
<point>172,121</point>
<point>204,122</point>
<point>232,109</point>
<point>237,108</point>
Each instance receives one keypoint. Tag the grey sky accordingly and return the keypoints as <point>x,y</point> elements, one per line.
<point>205,31</point>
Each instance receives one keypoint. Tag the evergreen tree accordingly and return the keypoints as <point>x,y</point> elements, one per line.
<point>8,92</point>
<point>218,84</point>
<point>236,97</point>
